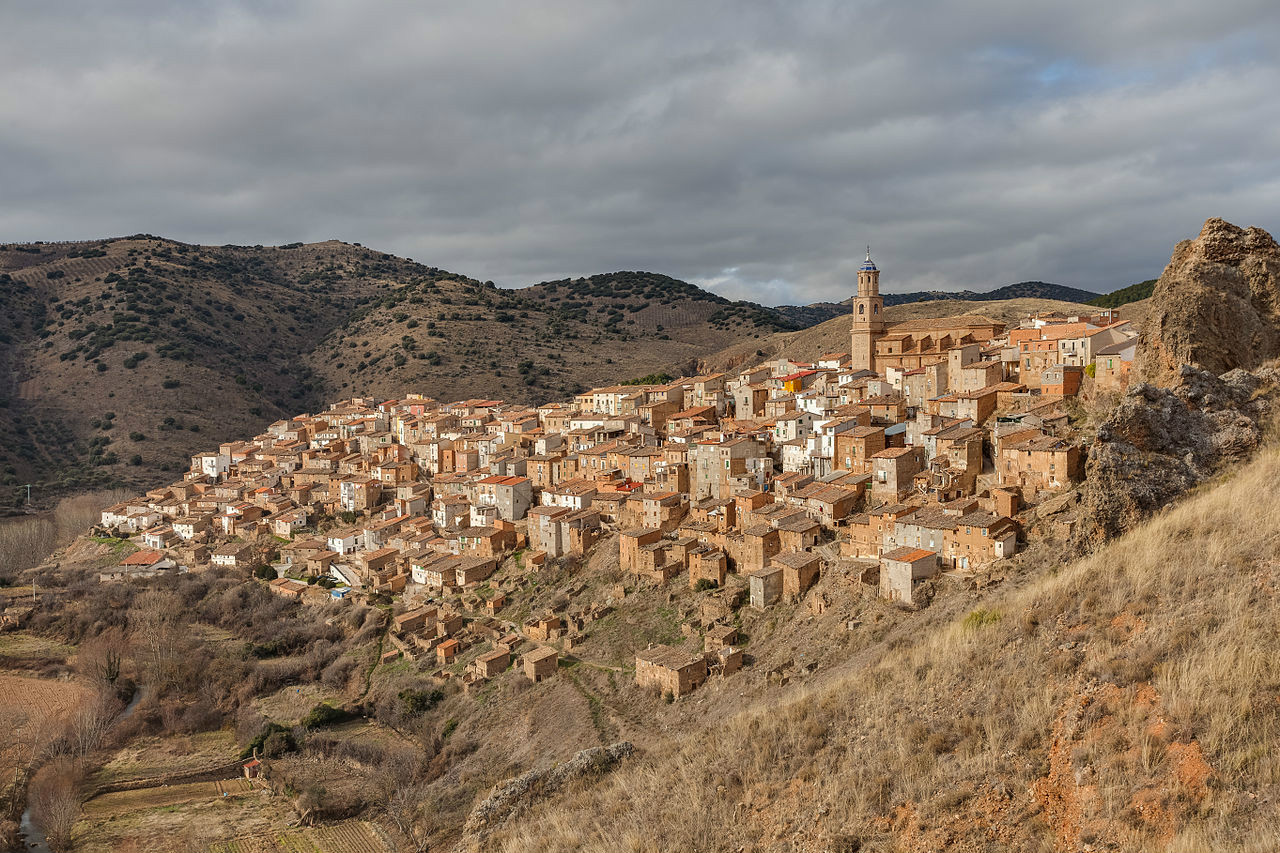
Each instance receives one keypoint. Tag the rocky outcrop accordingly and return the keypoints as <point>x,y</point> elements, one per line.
<point>1215,316</point>
<point>1160,442</point>
<point>1216,306</point>
<point>512,797</point>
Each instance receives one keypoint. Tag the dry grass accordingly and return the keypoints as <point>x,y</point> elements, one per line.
<point>1127,701</point>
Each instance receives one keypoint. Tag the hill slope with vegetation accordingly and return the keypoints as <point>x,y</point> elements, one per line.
<point>120,357</point>
<point>1125,295</point>
<point>1124,701</point>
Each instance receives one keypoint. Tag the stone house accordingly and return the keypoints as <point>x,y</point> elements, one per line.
<point>1039,464</point>
<point>669,670</point>
<point>1061,380</point>
<point>867,531</point>
<point>980,538</point>
<point>472,570</point>
<point>420,619</point>
<point>491,663</point>
<point>372,562</point>
<point>800,571</point>
<point>892,471</point>
<point>450,510</point>
<point>765,586</point>
<point>855,447</point>
<point>663,510</point>
<point>571,494</point>
<point>656,563</point>
<point>718,637</point>
<point>901,568</point>
<point>545,531</point>
<point>189,527</point>
<point>630,543</point>
<point>511,495</point>
<point>232,555</point>
<point>797,532</point>
<point>487,541</point>
<point>447,651</point>
<point>759,544</point>
<point>707,564</point>
<point>831,504</point>
<point>540,664</point>
<point>1113,363</point>
<point>544,629</point>
<point>974,406</point>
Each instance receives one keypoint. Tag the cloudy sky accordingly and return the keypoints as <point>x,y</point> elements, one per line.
<point>753,147</point>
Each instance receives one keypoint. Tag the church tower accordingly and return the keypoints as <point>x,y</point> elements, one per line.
<point>868,316</point>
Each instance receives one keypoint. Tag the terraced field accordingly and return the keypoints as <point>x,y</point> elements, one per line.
<point>121,802</point>
<point>352,836</point>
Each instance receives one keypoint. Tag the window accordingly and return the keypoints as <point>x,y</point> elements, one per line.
<point>862,309</point>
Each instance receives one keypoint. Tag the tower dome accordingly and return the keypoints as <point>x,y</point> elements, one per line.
<point>868,265</point>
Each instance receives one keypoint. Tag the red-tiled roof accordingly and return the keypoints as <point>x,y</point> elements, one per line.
<point>142,558</point>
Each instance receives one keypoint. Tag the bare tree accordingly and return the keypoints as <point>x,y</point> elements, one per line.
<point>91,722</point>
<point>102,657</point>
<point>401,785</point>
<point>156,620</point>
<point>54,797</point>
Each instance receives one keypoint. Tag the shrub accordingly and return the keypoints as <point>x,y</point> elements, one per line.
<point>278,743</point>
<point>981,618</point>
<point>418,702</point>
<point>170,383</point>
<point>259,742</point>
<point>137,436</point>
<point>325,714</point>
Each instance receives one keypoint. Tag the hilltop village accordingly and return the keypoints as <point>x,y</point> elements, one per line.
<point>915,453</point>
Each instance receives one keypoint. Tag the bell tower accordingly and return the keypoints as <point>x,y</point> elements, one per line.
<point>868,316</point>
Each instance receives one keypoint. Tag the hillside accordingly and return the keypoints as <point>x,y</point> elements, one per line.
<point>833,335</point>
<point>119,358</point>
<point>1125,295</point>
<point>1019,290</point>
<point>804,316</point>
<point>1057,712</point>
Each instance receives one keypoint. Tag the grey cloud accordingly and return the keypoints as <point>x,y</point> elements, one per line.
<point>752,147</point>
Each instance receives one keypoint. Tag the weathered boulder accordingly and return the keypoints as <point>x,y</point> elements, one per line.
<point>1216,306</point>
<point>1160,442</point>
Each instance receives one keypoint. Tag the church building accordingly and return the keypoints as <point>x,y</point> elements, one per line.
<point>909,344</point>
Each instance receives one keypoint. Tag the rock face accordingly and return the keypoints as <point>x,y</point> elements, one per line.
<point>1160,442</point>
<point>1216,306</point>
<point>510,798</point>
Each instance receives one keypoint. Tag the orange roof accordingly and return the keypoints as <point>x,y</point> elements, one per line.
<point>142,558</point>
<point>909,555</point>
<point>501,480</point>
